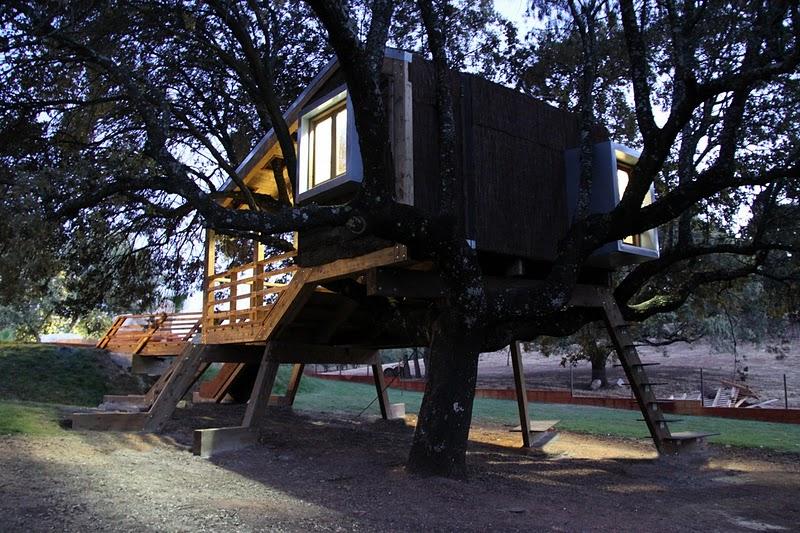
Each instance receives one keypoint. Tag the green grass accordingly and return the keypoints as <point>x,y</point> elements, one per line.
<point>32,376</point>
<point>52,374</point>
<point>24,418</point>
<point>325,395</point>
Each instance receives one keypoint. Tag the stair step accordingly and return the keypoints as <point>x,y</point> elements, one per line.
<point>647,384</point>
<point>689,435</point>
<point>537,426</point>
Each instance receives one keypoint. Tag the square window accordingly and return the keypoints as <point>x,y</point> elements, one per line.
<point>327,138</point>
<point>645,239</point>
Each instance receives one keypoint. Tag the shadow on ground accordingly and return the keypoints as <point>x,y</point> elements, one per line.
<point>337,472</point>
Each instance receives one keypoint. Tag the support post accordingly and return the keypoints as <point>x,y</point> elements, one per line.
<point>233,296</point>
<point>294,382</point>
<point>209,270</point>
<point>262,389</point>
<point>257,299</point>
<point>522,394</point>
<point>571,380</point>
<point>380,388</point>
<point>785,393</point>
<point>702,390</point>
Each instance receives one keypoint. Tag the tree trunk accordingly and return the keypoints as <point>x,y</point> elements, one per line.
<point>440,440</point>
<point>417,369</point>
<point>599,368</point>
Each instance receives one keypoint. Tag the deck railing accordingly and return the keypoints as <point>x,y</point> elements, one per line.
<point>131,333</point>
<point>246,293</point>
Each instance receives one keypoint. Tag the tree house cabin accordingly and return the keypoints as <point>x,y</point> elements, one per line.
<point>519,163</point>
<point>518,158</point>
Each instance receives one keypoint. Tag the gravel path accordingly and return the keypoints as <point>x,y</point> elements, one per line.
<point>336,473</point>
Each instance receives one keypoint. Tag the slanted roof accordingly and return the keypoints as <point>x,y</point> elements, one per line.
<point>252,169</point>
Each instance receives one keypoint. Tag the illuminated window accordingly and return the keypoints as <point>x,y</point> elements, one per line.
<point>327,140</point>
<point>644,240</point>
<point>328,159</point>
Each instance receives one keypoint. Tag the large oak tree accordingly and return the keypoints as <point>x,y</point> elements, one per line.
<point>136,111</point>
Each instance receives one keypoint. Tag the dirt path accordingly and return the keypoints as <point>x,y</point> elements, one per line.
<point>336,473</point>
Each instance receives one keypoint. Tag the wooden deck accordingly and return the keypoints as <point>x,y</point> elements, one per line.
<point>157,335</point>
<point>242,303</point>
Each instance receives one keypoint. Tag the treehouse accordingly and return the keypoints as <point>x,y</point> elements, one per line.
<point>518,158</point>
<point>517,155</point>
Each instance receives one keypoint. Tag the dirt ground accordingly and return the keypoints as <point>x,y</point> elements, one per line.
<point>335,473</point>
<point>679,368</point>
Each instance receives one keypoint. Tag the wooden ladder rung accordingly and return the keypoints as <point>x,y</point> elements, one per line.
<point>690,435</point>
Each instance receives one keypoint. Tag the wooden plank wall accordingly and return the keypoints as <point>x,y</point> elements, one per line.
<point>511,156</point>
<point>518,157</point>
<point>426,138</point>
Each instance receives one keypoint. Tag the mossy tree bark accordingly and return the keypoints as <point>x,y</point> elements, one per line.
<point>440,442</point>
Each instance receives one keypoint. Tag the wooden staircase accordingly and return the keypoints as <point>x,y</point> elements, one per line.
<point>666,441</point>
<point>263,349</point>
<point>155,334</point>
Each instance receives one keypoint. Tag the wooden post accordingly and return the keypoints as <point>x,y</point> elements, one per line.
<point>522,394</point>
<point>702,390</point>
<point>571,380</point>
<point>785,393</point>
<point>209,270</point>
<point>262,389</point>
<point>294,382</point>
<point>256,300</point>
<point>234,290</point>
<point>380,388</point>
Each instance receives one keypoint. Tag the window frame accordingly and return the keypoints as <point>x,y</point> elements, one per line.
<point>318,109</point>
<point>636,240</point>
<point>313,122</point>
<point>625,158</point>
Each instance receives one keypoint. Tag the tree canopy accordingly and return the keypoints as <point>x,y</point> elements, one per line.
<point>121,120</point>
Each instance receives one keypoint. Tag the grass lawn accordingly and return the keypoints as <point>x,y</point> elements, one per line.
<point>28,419</point>
<point>32,376</point>
<point>52,374</point>
<point>35,378</point>
<point>326,395</point>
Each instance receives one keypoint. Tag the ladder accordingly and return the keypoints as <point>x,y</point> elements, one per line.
<point>665,440</point>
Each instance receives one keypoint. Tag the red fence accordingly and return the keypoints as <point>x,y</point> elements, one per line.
<point>683,407</point>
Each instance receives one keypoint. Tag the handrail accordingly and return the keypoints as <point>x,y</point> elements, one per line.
<point>251,282</point>
<point>253,264</point>
<point>227,282</point>
<point>139,330</point>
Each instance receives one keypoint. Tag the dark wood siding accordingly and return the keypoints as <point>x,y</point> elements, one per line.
<point>510,156</point>
<point>426,137</point>
<point>519,170</point>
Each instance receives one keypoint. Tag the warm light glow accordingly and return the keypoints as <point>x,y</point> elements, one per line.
<point>322,150</point>
<point>644,240</point>
<point>622,181</point>
<point>327,138</point>
<point>341,142</point>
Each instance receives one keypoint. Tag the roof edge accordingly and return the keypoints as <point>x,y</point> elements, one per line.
<point>266,142</point>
